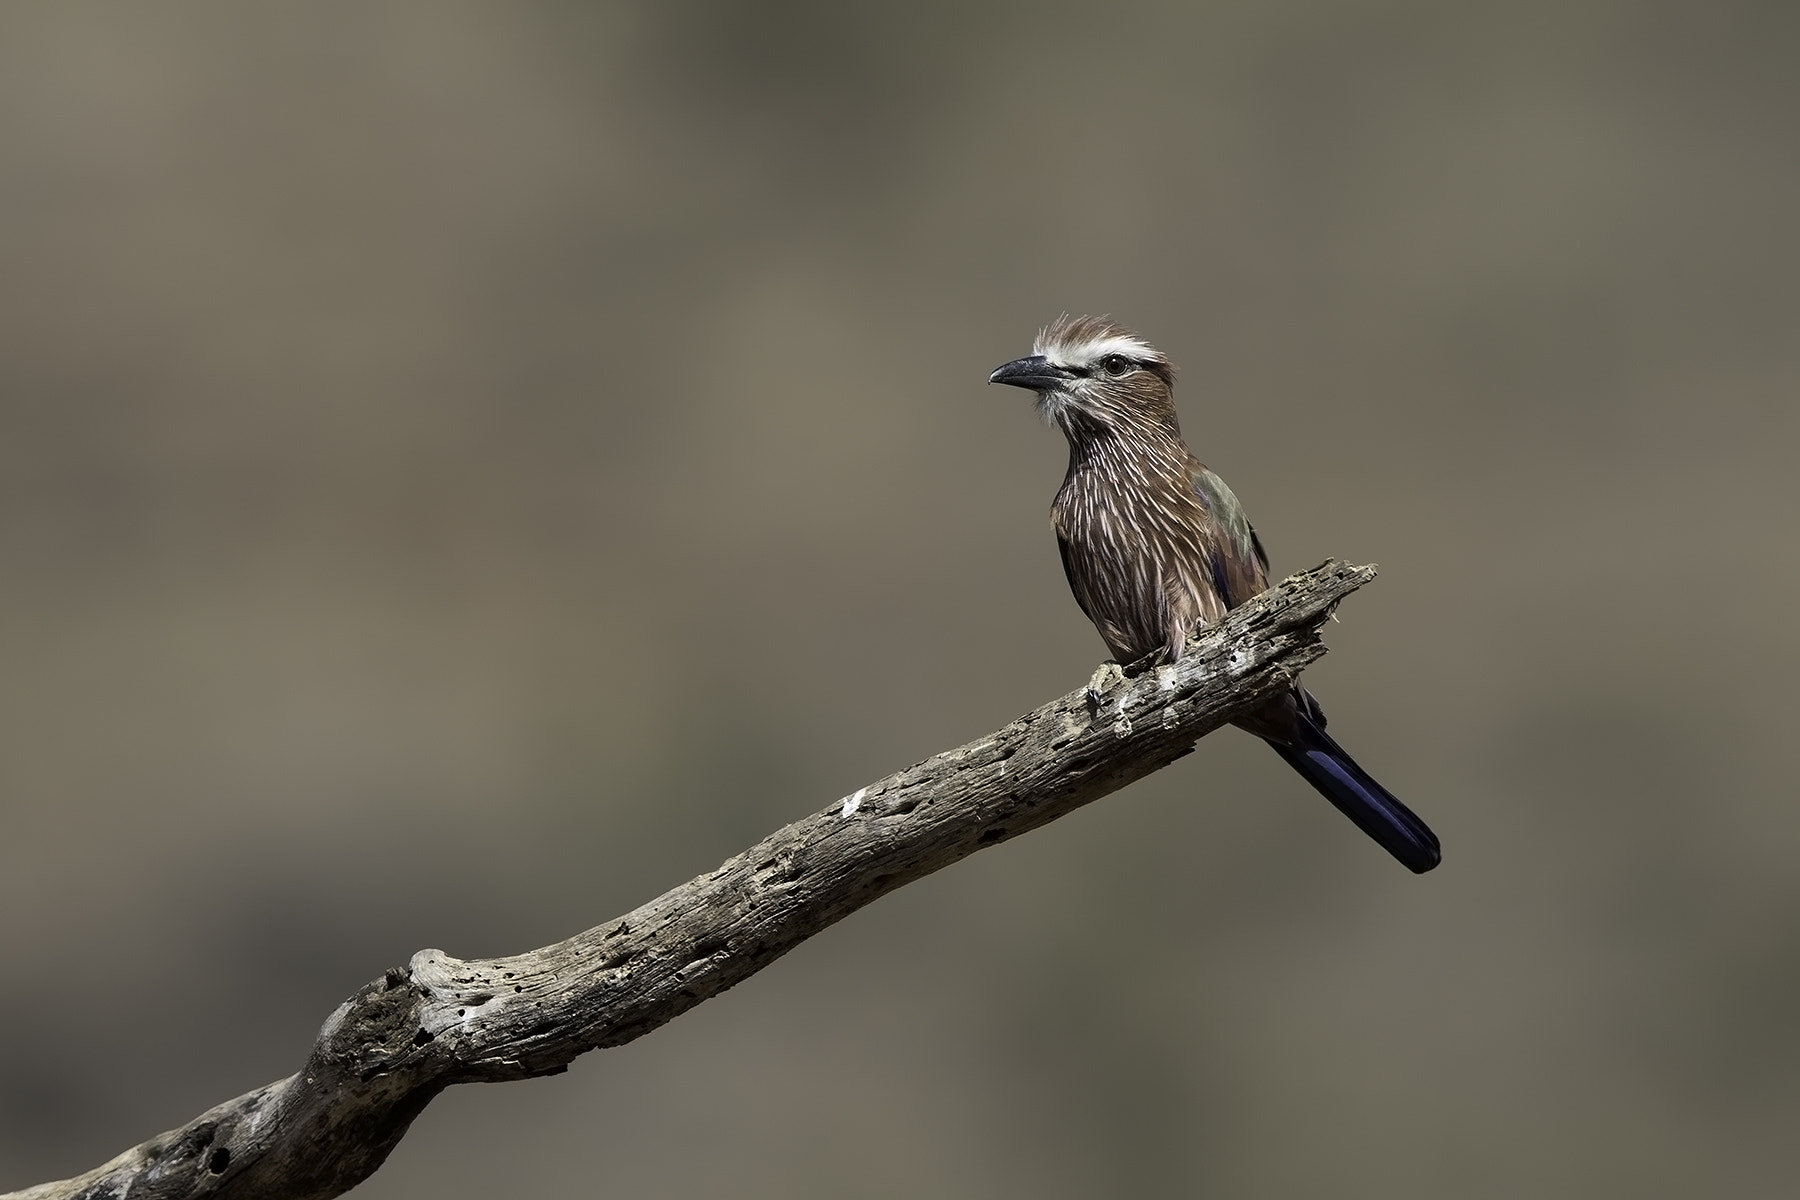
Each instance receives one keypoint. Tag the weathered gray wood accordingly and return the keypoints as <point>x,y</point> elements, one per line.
<point>389,1049</point>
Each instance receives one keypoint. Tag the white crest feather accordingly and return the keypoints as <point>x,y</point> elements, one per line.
<point>1084,341</point>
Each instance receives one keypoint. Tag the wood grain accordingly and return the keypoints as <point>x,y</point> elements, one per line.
<point>398,1042</point>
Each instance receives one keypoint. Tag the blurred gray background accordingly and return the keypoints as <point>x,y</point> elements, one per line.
<point>465,469</point>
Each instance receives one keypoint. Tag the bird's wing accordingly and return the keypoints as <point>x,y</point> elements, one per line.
<point>1078,582</point>
<point>1240,567</point>
<point>1100,607</point>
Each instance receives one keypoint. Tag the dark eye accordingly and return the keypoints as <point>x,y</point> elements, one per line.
<point>1117,365</point>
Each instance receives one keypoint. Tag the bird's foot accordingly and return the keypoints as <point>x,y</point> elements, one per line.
<point>1107,676</point>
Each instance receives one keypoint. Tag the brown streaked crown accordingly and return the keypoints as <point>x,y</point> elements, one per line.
<point>1082,342</point>
<point>1107,378</point>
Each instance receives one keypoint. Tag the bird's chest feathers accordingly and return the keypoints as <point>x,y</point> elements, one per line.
<point>1136,551</point>
<point>1132,519</point>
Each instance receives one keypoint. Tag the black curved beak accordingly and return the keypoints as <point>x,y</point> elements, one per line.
<point>1036,373</point>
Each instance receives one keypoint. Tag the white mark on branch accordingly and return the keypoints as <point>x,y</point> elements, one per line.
<point>1165,678</point>
<point>853,802</point>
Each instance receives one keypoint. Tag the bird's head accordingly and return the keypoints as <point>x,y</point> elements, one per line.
<point>1091,375</point>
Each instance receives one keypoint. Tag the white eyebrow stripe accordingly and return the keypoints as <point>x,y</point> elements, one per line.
<point>1092,350</point>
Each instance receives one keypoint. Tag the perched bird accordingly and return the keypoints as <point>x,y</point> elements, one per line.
<point>1156,546</point>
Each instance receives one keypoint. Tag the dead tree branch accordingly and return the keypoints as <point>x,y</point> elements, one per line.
<point>392,1047</point>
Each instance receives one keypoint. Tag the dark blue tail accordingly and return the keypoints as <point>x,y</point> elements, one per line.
<point>1376,812</point>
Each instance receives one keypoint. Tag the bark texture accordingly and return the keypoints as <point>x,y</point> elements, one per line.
<point>398,1042</point>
